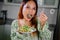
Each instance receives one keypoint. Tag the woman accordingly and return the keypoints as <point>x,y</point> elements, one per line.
<point>28,17</point>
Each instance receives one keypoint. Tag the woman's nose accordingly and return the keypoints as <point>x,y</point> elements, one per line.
<point>30,10</point>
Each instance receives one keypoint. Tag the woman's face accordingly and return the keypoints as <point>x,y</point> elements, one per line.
<point>29,10</point>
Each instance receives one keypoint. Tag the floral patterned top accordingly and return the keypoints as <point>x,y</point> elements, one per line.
<point>44,34</point>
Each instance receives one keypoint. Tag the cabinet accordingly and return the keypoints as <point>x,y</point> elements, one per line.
<point>14,1</point>
<point>41,3</point>
<point>1,0</point>
<point>48,3</point>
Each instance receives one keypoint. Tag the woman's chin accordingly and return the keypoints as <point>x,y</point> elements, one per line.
<point>28,19</point>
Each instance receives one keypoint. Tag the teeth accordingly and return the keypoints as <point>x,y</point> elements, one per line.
<point>29,16</point>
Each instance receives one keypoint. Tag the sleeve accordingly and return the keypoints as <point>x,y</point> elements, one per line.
<point>45,33</point>
<point>14,34</point>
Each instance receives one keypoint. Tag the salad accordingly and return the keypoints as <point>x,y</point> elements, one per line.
<point>25,28</point>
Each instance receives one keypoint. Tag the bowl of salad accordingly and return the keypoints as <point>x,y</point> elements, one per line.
<point>26,29</point>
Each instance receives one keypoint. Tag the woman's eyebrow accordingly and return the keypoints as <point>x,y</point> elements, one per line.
<point>34,7</point>
<point>30,5</point>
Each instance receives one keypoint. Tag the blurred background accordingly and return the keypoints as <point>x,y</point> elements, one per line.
<point>9,10</point>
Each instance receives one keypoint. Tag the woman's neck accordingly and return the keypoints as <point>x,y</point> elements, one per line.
<point>27,22</point>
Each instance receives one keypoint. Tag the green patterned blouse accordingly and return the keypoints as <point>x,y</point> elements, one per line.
<point>44,34</point>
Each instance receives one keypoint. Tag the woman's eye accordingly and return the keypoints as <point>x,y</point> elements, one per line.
<point>34,8</point>
<point>27,7</point>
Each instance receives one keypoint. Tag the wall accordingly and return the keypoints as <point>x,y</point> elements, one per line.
<point>1,6</point>
<point>12,11</point>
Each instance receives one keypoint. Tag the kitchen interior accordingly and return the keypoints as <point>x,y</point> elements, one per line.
<point>9,10</point>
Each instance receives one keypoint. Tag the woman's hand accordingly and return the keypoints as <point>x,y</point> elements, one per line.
<point>43,18</point>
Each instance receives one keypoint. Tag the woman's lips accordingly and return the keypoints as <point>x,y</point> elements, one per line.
<point>29,16</point>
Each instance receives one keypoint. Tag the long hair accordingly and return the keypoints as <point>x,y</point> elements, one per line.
<point>20,15</point>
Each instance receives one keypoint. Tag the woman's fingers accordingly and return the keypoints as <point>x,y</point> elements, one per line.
<point>43,17</point>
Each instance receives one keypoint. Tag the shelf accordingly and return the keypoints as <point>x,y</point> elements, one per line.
<point>12,4</point>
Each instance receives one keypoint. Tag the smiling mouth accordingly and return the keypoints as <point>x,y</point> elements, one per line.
<point>29,16</point>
